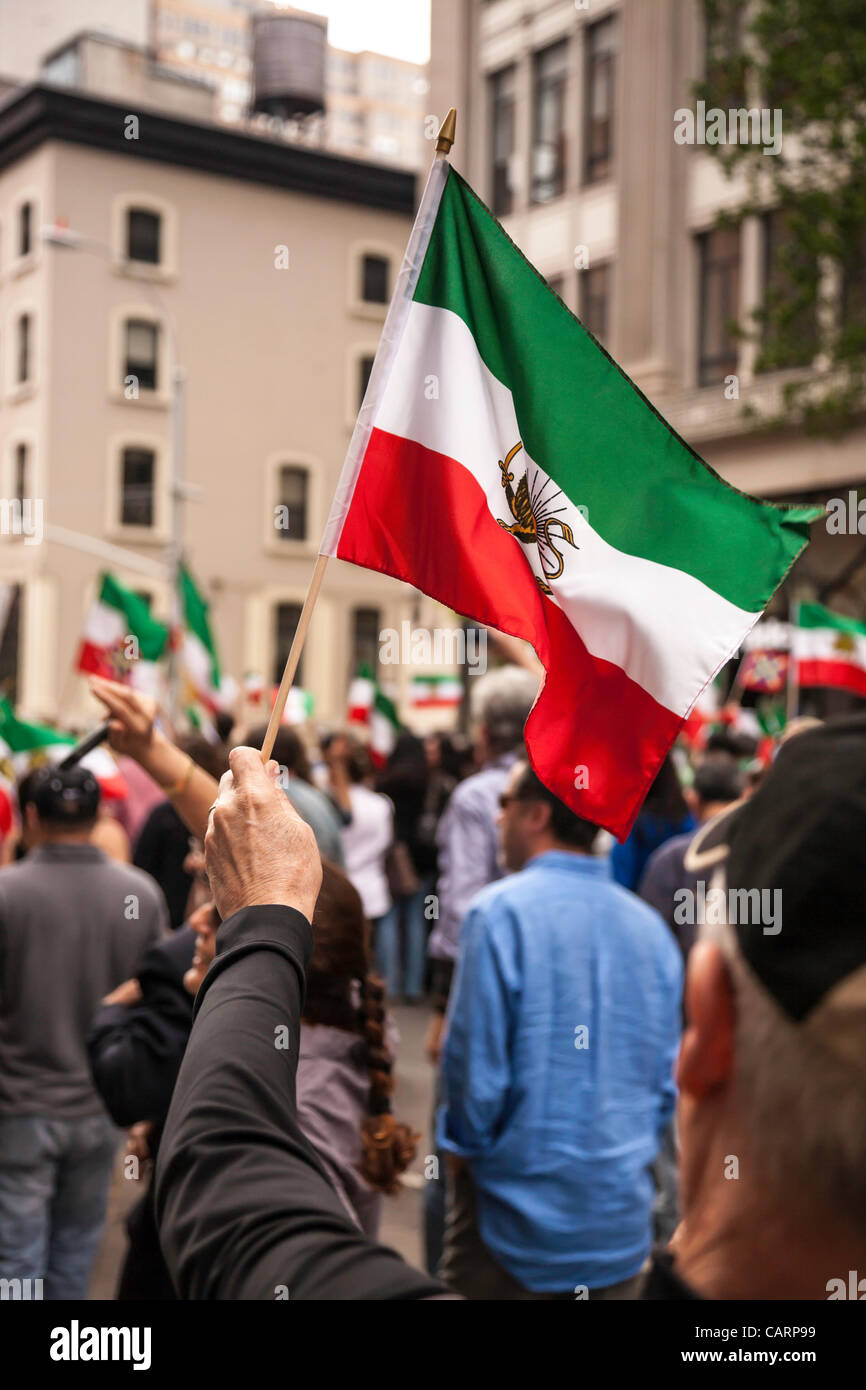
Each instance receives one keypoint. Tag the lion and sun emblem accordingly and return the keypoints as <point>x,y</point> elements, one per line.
<point>536,519</point>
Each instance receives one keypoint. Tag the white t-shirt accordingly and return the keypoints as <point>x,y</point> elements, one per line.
<point>365,844</point>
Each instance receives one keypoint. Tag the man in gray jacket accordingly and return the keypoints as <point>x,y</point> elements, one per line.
<point>73,926</point>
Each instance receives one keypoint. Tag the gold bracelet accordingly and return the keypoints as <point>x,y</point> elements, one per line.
<point>183,781</point>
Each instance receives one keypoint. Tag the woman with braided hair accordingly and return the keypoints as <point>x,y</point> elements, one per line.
<point>345,1069</point>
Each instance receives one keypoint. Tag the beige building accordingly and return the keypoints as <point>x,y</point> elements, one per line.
<point>136,239</point>
<point>375,104</point>
<point>566,128</point>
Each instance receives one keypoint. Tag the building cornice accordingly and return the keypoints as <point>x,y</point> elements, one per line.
<point>40,113</point>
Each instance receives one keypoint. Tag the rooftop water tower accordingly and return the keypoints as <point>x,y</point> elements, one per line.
<point>289,63</point>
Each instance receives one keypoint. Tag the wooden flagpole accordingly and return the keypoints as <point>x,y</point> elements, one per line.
<point>444,141</point>
<point>294,656</point>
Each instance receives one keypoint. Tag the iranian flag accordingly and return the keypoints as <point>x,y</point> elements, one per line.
<point>435,692</point>
<point>122,641</point>
<point>503,464</point>
<point>369,706</point>
<point>198,649</point>
<point>24,746</point>
<point>829,649</point>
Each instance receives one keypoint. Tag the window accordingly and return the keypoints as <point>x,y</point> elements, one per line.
<point>790,295</point>
<point>599,86</point>
<point>719,304</point>
<point>548,141</point>
<point>366,624</point>
<point>293,495</point>
<point>22,366</point>
<point>286,619</point>
<point>365,367</point>
<point>137,487</point>
<point>595,300</point>
<point>25,229</point>
<point>724,66</point>
<point>10,645</point>
<point>142,346</point>
<point>375,275</point>
<point>143,236</point>
<point>502,110</point>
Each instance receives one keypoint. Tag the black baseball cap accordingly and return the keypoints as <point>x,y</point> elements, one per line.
<point>803,832</point>
<point>65,795</point>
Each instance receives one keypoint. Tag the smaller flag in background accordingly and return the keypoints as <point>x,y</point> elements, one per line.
<point>829,649</point>
<point>198,648</point>
<point>370,707</point>
<point>435,692</point>
<point>121,640</point>
<point>25,746</point>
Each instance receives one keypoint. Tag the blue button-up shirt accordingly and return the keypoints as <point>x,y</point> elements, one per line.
<point>558,1069</point>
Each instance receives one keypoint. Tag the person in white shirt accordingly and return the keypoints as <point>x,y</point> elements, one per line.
<point>366,839</point>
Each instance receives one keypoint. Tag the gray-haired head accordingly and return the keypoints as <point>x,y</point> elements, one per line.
<point>500,703</point>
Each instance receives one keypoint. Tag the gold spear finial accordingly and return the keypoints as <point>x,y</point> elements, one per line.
<point>447,131</point>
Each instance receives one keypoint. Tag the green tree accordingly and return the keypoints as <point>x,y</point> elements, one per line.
<point>807,59</point>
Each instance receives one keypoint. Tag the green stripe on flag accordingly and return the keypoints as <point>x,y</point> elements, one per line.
<point>152,636</point>
<point>195,612</point>
<point>21,737</point>
<point>814,615</point>
<point>589,427</point>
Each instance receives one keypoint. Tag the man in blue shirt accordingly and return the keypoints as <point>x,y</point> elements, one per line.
<point>558,1066</point>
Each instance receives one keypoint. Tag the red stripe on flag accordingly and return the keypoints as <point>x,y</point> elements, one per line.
<point>839,674</point>
<point>423,518</point>
<point>97,661</point>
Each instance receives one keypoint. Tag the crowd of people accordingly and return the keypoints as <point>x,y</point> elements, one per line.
<point>212,969</point>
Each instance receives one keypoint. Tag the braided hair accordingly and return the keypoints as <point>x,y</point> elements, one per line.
<point>342,992</point>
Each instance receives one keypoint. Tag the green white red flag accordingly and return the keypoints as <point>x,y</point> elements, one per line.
<point>370,707</point>
<point>503,464</point>
<point>435,691</point>
<point>24,746</point>
<point>121,640</point>
<point>829,649</point>
<point>198,653</point>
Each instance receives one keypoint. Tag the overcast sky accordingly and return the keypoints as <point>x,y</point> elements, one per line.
<point>400,28</point>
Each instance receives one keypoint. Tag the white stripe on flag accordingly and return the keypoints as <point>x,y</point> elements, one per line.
<point>666,629</point>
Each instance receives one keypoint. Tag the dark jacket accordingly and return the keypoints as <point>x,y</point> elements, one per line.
<point>135,1056</point>
<point>135,1053</point>
<point>244,1205</point>
<point>161,849</point>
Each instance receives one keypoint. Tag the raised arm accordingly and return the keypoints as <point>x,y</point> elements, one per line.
<point>191,790</point>
<point>244,1206</point>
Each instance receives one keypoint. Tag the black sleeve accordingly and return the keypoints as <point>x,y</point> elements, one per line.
<point>135,1053</point>
<point>244,1207</point>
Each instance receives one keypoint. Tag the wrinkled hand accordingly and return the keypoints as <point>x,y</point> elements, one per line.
<point>257,848</point>
<point>132,716</point>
